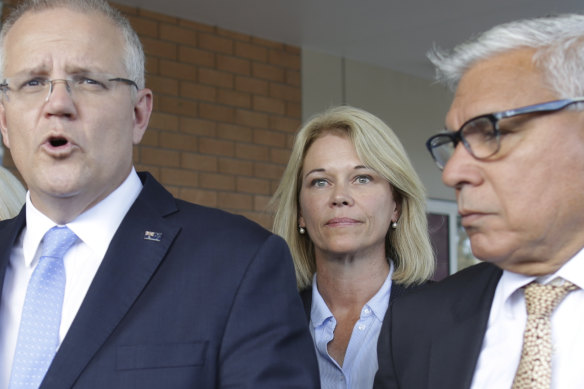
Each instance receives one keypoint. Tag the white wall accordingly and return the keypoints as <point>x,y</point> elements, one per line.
<point>413,107</point>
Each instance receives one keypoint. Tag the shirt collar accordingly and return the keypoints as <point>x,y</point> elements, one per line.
<point>95,227</point>
<point>320,313</point>
<point>572,271</point>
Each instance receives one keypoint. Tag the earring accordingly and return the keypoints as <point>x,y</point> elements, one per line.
<point>301,230</point>
<point>393,225</point>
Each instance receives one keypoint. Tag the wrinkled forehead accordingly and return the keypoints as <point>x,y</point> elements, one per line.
<point>502,82</point>
<point>61,39</point>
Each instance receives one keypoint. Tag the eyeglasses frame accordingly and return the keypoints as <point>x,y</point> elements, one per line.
<point>456,136</point>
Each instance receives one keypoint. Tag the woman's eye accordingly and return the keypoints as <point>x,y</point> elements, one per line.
<point>318,182</point>
<point>363,179</point>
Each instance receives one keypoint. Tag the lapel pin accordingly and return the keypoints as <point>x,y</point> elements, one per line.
<point>154,236</point>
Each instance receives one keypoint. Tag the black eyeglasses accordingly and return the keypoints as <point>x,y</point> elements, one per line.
<point>481,136</point>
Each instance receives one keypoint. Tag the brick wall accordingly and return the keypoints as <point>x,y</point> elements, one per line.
<point>226,108</point>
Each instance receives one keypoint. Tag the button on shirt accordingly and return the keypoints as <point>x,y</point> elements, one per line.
<point>501,349</point>
<point>95,229</point>
<point>360,363</point>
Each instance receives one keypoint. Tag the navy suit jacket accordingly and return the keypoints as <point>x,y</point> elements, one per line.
<point>211,304</point>
<point>397,290</point>
<point>436,333</point>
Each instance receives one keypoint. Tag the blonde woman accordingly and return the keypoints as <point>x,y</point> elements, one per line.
<point>12,195</point>
<point>352,210</point>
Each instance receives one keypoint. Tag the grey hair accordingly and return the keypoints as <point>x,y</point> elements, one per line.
<point>133,52</point>
<point>558,42</point>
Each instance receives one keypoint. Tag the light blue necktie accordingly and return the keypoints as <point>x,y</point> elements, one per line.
<point>38,336</point>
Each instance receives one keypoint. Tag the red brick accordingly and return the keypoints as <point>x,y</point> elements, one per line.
<point>196,91</point>
<point>157,16</point>
<point>285,92</point>
<point>233,35</point>
<point>269,105</point>
<point>215,43</point>
<point>177,106</point>
<point>196,25</point>
<point>144,27</point>
<point>283,59</point>
<point>234,201</point>
<point>235,166</point>
<point>216,78</point>
<point>152,66</point>
<point>162,85</point>
<point>182,35</point>
<point>159,157</point>
<point>269,138</point>
<point>198,196</point>
<point>216,147</point>
<point>196,56</point>
<point>251,85</point>
<point>217,181</point>
<point>281,123</point>
<point>163,121</point>
<point>178,70</point>
<point>251,51</point>
<point>261,204</point>
<point>193,161</point>
<point>234,98</point>
<point>175,141</point>
<point>179,177</point>
<point>267,72</point>
<point>234,65</point>
<point>159,49</point>
<point>293,78</point>
<point>267,43</point>
<point>268,170</point>
<point>251,152</point>
<point>252,185</point>
<point>280,156</point>
<point>197,126</point>
<point>216,112</point>
<point>251,118</point>
<point>150,138</point>
<point>293,109</point>
<point>234,132</point>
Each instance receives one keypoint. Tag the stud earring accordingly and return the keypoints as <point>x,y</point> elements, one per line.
<point>393,225</point>
<point>301,230</point>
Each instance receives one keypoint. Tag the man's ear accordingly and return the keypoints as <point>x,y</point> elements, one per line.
<point>4,126</point>
<point>142,112</point>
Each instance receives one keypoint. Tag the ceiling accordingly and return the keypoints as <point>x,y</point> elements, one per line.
<point>389,33</point>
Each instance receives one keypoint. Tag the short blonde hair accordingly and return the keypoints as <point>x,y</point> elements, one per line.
<point>378,148</point>
<point>12,195</point>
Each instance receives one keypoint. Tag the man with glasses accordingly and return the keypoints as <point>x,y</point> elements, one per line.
<point>106,280</point>
<point>513,150</point>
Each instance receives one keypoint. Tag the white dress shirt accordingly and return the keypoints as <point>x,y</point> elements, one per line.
<point>360,363</point>
<point>95,229</point>
<point>501,349</point>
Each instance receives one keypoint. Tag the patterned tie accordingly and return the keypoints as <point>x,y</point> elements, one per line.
<point>535,366</point>
<point>38,337</point>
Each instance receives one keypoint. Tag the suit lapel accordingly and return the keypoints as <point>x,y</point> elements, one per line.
<point>128,266</point>
<point>455,351</point>
<point>9,231</point>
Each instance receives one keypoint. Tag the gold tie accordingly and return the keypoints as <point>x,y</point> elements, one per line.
<point>535,366</point>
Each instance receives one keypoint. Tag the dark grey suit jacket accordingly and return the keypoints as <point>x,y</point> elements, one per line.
<point>436,333</point>
<point>212,304</point>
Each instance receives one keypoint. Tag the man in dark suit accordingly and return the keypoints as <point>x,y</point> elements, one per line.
<point>159,293</point>
<point>514,153</point>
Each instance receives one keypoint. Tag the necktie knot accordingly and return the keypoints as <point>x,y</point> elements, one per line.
<point>542,300</point>
<point>57,241</point>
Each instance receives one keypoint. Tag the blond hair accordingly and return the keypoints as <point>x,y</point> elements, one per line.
<point>379,148</point>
